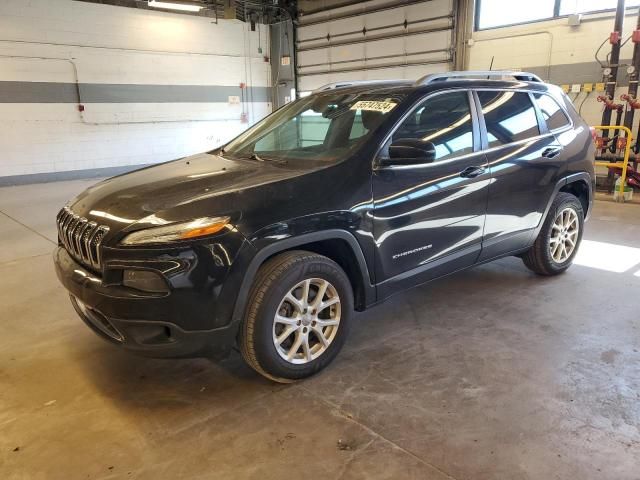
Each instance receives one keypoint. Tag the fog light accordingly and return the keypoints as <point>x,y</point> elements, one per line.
<point>144,280</point>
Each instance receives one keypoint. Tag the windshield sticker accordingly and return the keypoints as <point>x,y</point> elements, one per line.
<point>374,106</point>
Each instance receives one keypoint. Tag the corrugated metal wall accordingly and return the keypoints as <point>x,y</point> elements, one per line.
<point>375,39</point>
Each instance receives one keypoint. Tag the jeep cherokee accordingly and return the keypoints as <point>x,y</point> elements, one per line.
<point>331,204</point>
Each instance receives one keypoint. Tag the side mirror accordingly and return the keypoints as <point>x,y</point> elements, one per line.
<point>410,151</point>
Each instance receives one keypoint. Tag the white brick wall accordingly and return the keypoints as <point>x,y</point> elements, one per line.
<point>116,45</point>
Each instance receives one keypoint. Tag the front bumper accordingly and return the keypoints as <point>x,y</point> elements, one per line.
<point>150,325</point>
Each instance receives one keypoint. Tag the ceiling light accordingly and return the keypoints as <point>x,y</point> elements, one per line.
<point>185,7</point>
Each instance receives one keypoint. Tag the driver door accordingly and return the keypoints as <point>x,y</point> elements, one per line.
<point>428,219</point>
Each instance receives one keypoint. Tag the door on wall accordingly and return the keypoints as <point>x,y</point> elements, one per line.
<point>371,41</point>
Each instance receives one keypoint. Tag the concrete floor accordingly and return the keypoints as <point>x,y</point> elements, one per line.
<point>490,374</point>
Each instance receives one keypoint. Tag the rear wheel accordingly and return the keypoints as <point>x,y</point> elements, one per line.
<point>558,241</point>
<point>297,316</point>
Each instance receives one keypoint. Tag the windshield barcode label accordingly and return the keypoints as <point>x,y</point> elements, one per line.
<point>373,106</point>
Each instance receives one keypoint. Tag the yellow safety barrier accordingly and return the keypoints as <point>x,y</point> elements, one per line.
<point>625,161</point>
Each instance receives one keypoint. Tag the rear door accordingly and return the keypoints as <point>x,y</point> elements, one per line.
<point>428,219</point>
<point>523,161</point>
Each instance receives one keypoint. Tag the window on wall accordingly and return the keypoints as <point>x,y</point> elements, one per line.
<point>567,7</point>
<point>498,13</point>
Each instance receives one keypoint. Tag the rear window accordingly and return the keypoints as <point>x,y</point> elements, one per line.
<point>551,111</point>
<point>509,116</point>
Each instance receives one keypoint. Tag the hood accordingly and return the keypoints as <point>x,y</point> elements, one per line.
<point>180,190</point>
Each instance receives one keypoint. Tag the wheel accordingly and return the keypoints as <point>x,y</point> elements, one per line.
<point>559,239</point>
<point>297,316</point>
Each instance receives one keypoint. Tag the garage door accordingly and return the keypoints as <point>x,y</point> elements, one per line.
<point>375,40</point>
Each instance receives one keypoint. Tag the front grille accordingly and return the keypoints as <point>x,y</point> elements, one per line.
<point>80,237</point>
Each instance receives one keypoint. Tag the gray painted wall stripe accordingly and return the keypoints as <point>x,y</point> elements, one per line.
<point>585,72</point>
<point>96,173</point>
<point>55,92</point>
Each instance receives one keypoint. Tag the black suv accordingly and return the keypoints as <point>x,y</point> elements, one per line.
<point>331,204</point>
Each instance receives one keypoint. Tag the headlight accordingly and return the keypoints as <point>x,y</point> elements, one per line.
<point>177,231</point>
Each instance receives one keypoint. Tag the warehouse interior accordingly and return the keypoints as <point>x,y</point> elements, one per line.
<point>489,373</point>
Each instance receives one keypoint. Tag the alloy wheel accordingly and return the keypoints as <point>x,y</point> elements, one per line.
<point>307,321</point>
<point>564,235</point>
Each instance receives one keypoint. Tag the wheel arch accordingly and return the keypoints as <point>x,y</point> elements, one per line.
<point>575,182</point>
<point>580,189</point>
<point>338,245</point>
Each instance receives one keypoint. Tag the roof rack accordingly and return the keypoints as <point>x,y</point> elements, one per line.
<point>443,77</point>
<point>351,83</point>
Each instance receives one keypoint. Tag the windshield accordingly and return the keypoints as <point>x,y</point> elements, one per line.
<point>326,127</point>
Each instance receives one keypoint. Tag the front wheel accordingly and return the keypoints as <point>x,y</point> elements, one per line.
<point>558,241</point>
<point>297,316</point>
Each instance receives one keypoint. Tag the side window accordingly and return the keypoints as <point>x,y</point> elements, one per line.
<point>509,116</point>
<point>551,111</point>
<point>445,120</point>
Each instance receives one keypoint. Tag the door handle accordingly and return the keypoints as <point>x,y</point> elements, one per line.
<point>551,152</point>
<point>472,172</point>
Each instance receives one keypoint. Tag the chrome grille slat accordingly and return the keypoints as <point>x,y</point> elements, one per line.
<point>59,220</point>
<point>86,236</point>
<point>80,237</point>
<point>70,228</point>
<point>65,225</point>
<point>94,244</point>
<point>70,225</point>
<point>77,239</point>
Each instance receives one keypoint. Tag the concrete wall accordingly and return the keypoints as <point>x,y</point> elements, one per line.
<point>557,52</point>
<point>155,86</point>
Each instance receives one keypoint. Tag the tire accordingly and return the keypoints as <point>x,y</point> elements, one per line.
<point>541,258</point>
<point>279,288</point>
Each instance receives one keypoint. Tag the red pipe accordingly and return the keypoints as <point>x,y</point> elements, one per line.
<point>609,104</point>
